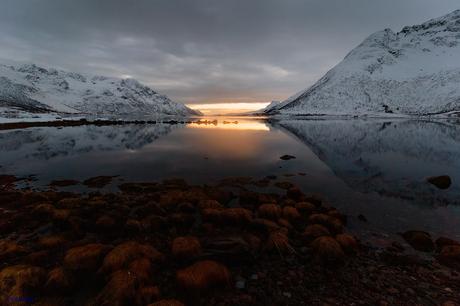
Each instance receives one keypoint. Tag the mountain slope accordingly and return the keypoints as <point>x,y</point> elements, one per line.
<point>37,89</point>
<point>413,72</point>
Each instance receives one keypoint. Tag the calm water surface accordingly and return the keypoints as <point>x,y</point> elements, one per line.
<point>372,167</point>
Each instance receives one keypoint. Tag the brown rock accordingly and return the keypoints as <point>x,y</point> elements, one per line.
<point>204,204</point>
<point>442,182</point>
<point>419,240</point>
<point>21,281</point>
<point>264,225</point>
<point>10,249</point>
<point>121,290</point>
<point>279,242</point>
<point>348,243</point>
<point>284,223</point>
<point>59,281</point>
<point>235,216</point>
<point>450,256</point>
<point>142,268</point>
<point>105,223</point>
<point>314,231</point>
<point>294,193</point>
<point>305,208</point>
<point>269,211</point>
<point>147,295</point>
<point>123,254</point>
<point>86,258</point>
<point>334,225</point>
<point>292,214</point>
<point>168,303</point>
<point>203,276</point>
<point>98,181</point>
<point>52,241</point>
<point>43,210</point>
<point>38,258</point>
<point>443,241</point>
<point>133,226</point>
<point>211,215</point>
<point>328,251</point>
<point>186,248</point>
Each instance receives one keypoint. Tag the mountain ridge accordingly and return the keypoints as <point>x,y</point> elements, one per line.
<point>37,89</point>
<point>412,72</point>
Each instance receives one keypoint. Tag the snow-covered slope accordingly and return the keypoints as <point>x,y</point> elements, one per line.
<point>37,89</point>
<point>414,72</point>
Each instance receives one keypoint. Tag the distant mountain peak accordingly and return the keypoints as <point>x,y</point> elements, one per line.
<point>34,88</point>
<point>413,72</point>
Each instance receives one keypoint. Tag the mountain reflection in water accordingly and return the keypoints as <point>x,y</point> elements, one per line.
<point>372,167</point>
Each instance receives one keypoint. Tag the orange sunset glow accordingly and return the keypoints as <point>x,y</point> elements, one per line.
<point>227,108</point>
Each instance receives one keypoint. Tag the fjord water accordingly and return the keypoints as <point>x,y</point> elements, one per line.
<point>376,168</point>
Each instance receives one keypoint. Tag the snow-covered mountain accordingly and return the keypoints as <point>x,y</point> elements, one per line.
<point>413,72</point>
<point>37,89</point>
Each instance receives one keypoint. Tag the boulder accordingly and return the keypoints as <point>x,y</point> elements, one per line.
<point>59,281</point>
<point>348,243</point>
<point>441,182</point>
<point>123,254</point>
<point>419,240</point>
<point>168,303</point>
<point>328,251</point>
<point>314,231</point>
<point>147,295</point>
<point>292,214</point>
<point>450,256</point>
<point>269,211</point>
<point>86,258</point>
<point>305,208</point>
<point>444,241</point>
<point>203,276</point>
<point>121,290</point>
<point>10,249</point>
<point>52,241</point>
<point>236,216</point>
<point>279,242</point>
<point>21,281</point>
<point>186,248</point>
<point>333,224</point>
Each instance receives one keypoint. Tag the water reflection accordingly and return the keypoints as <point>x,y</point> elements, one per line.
<point>390,157</point>
<point>231,124</point>
<point>374,167</point>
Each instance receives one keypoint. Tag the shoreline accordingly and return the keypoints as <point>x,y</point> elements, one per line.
<point>216,244</point>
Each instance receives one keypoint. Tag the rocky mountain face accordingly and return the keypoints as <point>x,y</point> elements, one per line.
<point>414,72</point>
<point>36,89</point>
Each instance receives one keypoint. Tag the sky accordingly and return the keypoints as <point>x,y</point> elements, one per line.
<point>202,51</point>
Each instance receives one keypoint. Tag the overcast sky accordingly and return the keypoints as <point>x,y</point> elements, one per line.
<point>203,51</point>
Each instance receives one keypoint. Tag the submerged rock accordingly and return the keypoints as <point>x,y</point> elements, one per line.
<point>287,157</point>
<point>442,182</point>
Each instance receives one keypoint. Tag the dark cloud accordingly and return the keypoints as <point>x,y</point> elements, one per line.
<point>202,50</point>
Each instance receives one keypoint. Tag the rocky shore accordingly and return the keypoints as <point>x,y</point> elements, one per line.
<point>171,243</point>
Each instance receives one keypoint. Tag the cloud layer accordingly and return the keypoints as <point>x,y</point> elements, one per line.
<point>202,50</point>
